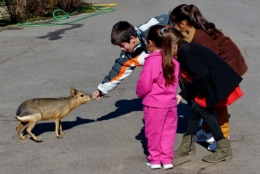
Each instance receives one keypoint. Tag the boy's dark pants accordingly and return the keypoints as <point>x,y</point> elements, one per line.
<point>207,114</point>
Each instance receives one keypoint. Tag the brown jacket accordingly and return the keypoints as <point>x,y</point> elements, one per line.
<point>223,46</point>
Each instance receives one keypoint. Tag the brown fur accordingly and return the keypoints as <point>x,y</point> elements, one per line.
<point>33,110</point>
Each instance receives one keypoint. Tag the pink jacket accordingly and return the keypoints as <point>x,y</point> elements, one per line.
<point>151,84</point>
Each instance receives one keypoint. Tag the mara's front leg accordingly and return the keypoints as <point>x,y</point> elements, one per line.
<point>57,127</point>
<point>61,131</point>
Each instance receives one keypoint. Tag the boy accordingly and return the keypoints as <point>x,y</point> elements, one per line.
<point>132,43</point>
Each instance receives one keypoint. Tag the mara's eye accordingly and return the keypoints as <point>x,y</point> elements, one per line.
<point>82,95</point>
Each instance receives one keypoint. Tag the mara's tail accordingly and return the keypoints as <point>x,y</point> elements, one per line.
<point>23,119</point>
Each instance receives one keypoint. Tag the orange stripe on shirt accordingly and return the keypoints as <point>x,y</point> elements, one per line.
<point>125,65</point>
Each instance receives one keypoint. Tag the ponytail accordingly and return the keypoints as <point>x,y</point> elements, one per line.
<point>193,16</point>
<point>162,39</point>
<point>198,21</point>
<point>167,64</point>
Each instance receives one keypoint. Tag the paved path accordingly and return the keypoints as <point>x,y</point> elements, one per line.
<point>47,61</point>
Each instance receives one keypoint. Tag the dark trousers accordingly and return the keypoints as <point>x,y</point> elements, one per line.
<point>207,114</point>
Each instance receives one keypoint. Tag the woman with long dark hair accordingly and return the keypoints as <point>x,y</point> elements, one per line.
<point>197,29</point>
<point>210,82</point>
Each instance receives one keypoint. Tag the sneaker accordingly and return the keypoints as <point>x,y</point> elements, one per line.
<point>203,136</point>
<point>212,147</point>
<point>167,166</point>
<point>154,166</point>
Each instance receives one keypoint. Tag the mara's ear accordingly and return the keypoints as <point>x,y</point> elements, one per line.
<point>73,91</point>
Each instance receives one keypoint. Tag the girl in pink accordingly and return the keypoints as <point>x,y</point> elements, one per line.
<point>157,87</point>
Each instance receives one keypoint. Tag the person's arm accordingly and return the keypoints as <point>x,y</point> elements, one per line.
<point>187,91</point>
<point>178,98</point>
<point>122,68</point>
<point>200,74</point>
<point>145,82</point>
<point>163,20</point>
<point>198,71</point>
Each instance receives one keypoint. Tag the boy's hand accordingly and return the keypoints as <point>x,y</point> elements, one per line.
<point>96,95</point>
<point>179,98</point>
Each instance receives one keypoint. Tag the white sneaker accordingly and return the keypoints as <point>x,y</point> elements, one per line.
<point>212,147</point>
<point>167,166</point>
<point>154,166</point>
<point>203,136</point>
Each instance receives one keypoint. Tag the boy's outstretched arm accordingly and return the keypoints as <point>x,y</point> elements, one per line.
<point>122,68</point>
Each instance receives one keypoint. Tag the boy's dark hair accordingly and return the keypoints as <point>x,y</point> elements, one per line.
<point>121,32</point>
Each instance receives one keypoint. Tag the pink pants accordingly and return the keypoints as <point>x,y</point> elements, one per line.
<point>160,130</point>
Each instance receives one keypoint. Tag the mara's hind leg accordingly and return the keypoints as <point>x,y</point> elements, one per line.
<point>32,122</point>
<point>29,131</point>
<point>19,128</point>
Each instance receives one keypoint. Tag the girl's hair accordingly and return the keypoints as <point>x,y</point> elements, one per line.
<point>193,16</point>
<point>177,37</point>
<point>121,32</point>
<point>163,39</point>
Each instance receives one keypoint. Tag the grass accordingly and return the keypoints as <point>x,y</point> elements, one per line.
<point>5,21</point>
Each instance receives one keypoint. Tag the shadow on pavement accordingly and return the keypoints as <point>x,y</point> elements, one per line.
<point>57,34</point>
<point>123,107</point>
<point>141,137</point>
<point>127,106</point>
<point>50,126</point>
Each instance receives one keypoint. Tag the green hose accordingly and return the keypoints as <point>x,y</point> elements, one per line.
<point>60,17</point>
<point>63,15</point>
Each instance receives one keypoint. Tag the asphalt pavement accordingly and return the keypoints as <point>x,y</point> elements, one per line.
<point>106,136</point>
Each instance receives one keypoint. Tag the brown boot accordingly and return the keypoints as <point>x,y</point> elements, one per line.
<point>187,147</point>
<point>223,152</point>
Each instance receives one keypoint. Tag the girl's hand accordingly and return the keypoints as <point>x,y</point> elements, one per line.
<point>179,98</point>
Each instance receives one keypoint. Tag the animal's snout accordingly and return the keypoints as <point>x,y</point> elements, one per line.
<point>90,96</point>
